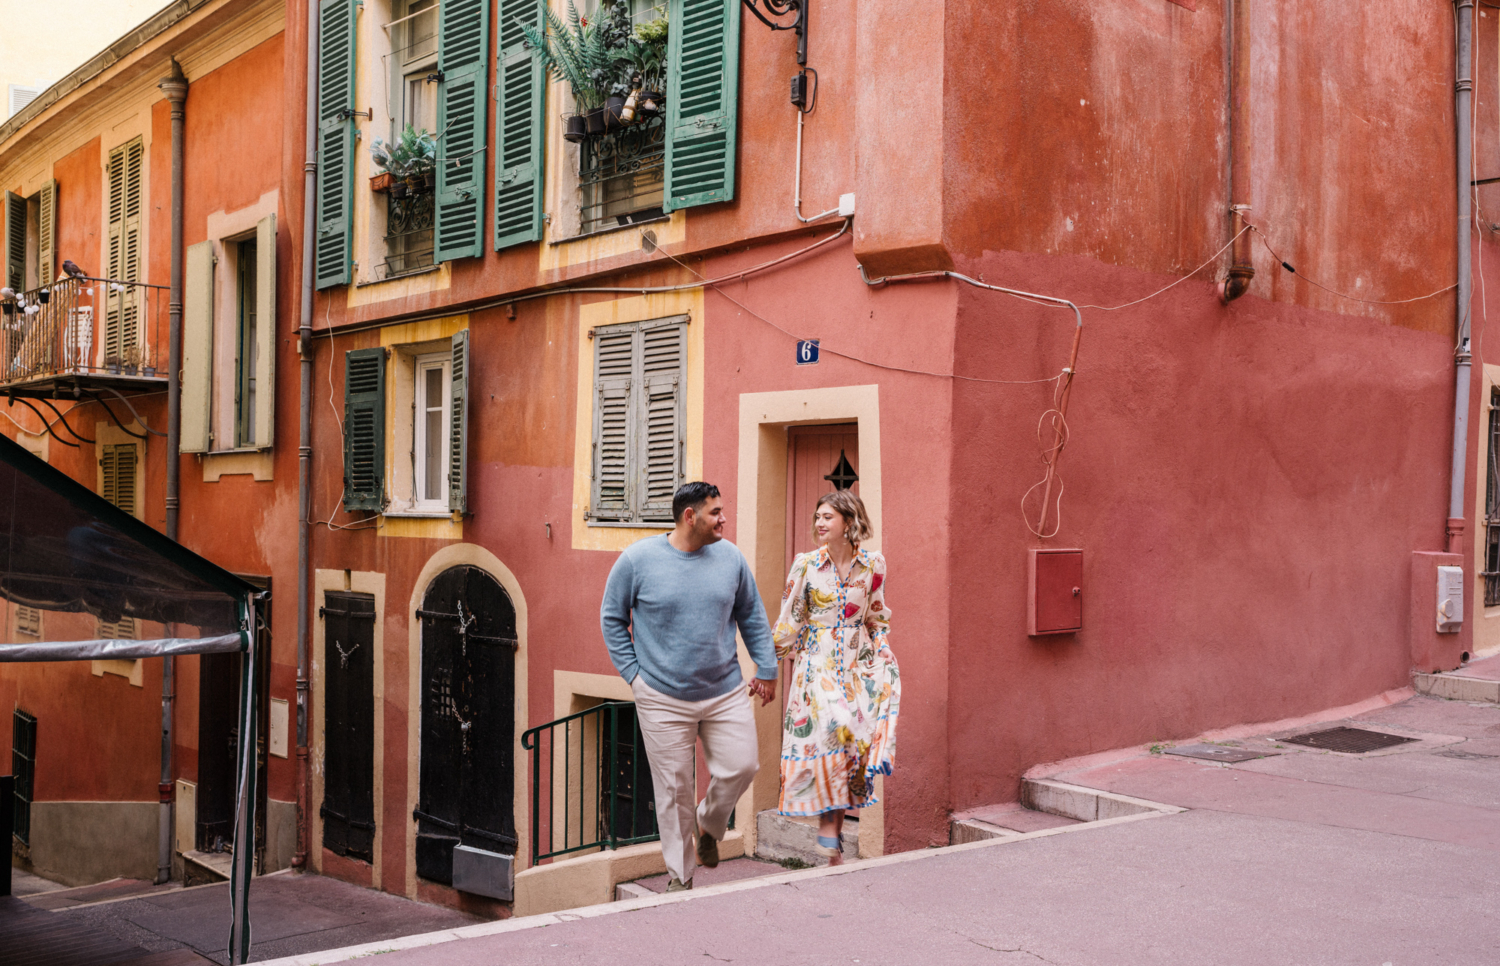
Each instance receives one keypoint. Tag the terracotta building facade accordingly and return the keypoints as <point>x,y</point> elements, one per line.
<point>496,370</point>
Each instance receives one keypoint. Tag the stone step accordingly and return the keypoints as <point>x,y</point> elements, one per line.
<point>1478,681</point>
<point>1046,804</point>
<point>1001,821</point>
<point>784,837</point>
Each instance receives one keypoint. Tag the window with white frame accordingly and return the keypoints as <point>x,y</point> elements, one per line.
<point>432,395</point>
<point>427,385</point>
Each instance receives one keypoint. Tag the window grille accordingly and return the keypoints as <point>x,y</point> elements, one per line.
<point>408,233</point>
<point>23,767</point>
<point>621,176</point>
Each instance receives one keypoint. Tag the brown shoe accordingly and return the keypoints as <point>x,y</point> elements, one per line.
<point>675,884</point>
<point>708,850</point>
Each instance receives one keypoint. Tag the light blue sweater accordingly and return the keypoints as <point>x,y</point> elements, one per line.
<point>683,608</point>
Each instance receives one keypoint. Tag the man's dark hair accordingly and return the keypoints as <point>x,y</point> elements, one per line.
<point>693,495</point>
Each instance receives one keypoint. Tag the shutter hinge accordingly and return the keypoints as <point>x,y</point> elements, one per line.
<point>591,335</point>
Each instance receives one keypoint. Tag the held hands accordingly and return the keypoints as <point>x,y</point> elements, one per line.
<point>765,690</point>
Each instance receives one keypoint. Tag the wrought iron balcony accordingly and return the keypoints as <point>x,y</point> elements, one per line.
<point>82,336</point>
<point>408,233</point>
<point>621,176</point>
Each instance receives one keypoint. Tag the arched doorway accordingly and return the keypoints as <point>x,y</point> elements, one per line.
<point>467,767</point>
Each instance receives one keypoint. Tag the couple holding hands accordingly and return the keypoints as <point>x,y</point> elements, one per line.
<point>669,614</point>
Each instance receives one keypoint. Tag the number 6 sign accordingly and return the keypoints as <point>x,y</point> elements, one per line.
<point>807,352</point>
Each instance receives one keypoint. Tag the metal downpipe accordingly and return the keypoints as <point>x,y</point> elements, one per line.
<point>1241,270</point>
<point>304,435</point>
<point>1463,94</point>
<point>175,87</point>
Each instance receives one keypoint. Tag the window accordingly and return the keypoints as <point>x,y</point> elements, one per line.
<point>30,230</point>
<point>428,474</point>
<point>20,96</point>
<point>247,346</point>
<point>456,109</point>
<point>622,174</point>
<point>28,622</point>
<point>411,100</point>
<point>119,476</point>
<point>638,455</point>
<point>432,394</point>
<point>23,767</point>
<point>229,399</point>
<point>122,304</point>
<point>121,630</point>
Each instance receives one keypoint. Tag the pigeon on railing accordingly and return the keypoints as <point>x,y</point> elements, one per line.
<point>72,270</point>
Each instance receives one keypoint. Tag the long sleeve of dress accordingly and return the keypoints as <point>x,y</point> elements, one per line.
<point>877,617</point>
<point>793,618</point>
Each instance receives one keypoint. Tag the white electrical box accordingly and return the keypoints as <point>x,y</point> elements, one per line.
<point>846,205</point>
<point>1450,599</point>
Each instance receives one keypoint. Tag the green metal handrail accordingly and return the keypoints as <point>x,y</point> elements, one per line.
<point>605,799</point>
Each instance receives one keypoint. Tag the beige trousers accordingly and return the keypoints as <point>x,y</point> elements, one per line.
<point>670,729</point>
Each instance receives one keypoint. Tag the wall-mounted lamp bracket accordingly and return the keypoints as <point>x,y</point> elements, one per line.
<point>797,9</point>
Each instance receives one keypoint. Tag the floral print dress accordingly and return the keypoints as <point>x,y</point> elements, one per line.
<point>840,725</point>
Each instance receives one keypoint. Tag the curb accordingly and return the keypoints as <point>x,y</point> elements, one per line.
<point>1059,790</point>
<point>1457,687</point>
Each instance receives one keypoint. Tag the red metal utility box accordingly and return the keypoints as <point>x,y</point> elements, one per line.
<point>1055,602</point>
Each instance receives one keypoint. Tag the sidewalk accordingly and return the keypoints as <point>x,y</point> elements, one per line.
<point>1307,857</point>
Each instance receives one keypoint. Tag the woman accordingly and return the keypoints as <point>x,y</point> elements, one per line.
<point>840,725</point>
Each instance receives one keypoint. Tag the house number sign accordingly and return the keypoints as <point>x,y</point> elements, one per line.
<point>807,352</point>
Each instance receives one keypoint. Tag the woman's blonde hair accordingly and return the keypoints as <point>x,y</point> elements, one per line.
<point>856,521</point>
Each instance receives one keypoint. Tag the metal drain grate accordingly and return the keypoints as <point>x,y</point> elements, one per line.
<point>1351,741</point>
<point>1218,753</point>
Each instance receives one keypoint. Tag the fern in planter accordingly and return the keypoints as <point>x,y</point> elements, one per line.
<point>575,51</point>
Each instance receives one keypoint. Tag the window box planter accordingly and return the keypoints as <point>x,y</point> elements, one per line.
<point>594,121</point>
<point>382,182</point>
<point>575,128</point>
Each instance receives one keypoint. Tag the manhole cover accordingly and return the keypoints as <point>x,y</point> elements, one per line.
<point>1218,753</point>
<point>1351,741</point>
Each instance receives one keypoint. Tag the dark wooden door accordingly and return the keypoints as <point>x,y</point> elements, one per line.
<point>348,809</point>
<point>467,767</point>
<point>218,736</point>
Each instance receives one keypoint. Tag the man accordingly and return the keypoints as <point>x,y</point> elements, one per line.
<point>669,613</point>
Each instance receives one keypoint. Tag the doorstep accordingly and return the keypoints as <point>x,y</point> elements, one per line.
<point>1476,681</point>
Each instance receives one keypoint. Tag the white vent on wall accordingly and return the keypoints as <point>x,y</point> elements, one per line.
<point>21,96</point>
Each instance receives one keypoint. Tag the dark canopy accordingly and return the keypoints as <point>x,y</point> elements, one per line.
<point>65,548</point>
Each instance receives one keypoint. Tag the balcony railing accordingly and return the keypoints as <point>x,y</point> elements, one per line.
<point>114,332</point>
<point>590,782</point>
<point>408,235</point>
<point>621,176</point>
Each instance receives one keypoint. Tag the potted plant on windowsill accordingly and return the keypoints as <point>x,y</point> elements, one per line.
<point>409,162</point>
<point>589,56</point>
<point>646,56</point>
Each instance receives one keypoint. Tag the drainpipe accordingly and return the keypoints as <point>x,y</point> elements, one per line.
<point>304,437</point>
<point>175,87</point>
<point>1463,93</point>
<point>1241,271</point>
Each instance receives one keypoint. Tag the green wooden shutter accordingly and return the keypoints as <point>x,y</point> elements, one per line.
<point>463,52</point>
<point>615,359</point>
<point>520,94</point>
<point>47,235</point>
<point>15,241</point>
<point>702,101</point>
<point>336,33</point>
<point>265,332</point>
<point>197,346</point>
<point>659,448</point>
<point>364,429</point>
<point>458,426</point>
